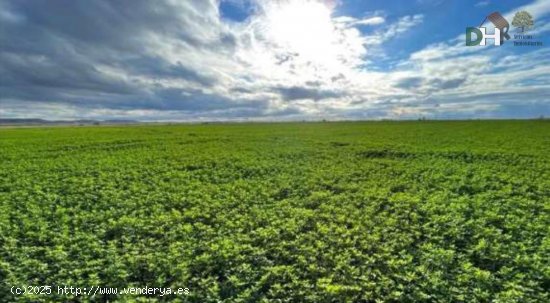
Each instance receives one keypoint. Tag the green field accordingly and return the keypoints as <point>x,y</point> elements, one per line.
<point>284,212</point>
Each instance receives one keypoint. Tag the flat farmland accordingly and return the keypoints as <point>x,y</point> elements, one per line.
<point>423,211</point>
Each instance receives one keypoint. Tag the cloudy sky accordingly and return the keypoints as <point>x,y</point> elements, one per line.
<point>267,60</point>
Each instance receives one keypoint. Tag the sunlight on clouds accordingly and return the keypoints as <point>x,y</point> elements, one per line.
<point>304,27</point>
<point>294,42</point>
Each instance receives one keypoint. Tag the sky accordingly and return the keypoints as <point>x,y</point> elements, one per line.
<point>268,60</point>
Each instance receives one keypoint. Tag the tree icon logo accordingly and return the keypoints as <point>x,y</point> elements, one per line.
<point>523,20</point>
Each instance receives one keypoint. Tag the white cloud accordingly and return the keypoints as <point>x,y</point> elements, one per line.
<point>350,21</point>
<point>371,21</point>
<point>403,25</point>
<point>483,3</point>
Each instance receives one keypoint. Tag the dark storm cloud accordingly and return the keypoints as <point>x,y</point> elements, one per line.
<point>159,68</point>
<point>116,24</point>
<point>411,82</point>
<point>54,51</point>
<point>429,84</point>
<point>46,72</point>
<point>160,99</point>
<point>447,84</point>
<point>177,99</point>
<point>241,90</point>
<point>297,93</point>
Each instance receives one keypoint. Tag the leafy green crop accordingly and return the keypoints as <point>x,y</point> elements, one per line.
<point>290,212</point>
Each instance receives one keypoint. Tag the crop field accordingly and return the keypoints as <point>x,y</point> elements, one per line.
<point>422,211</point>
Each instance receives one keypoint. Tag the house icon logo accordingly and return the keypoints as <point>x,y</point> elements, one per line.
<point>501,27</point>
